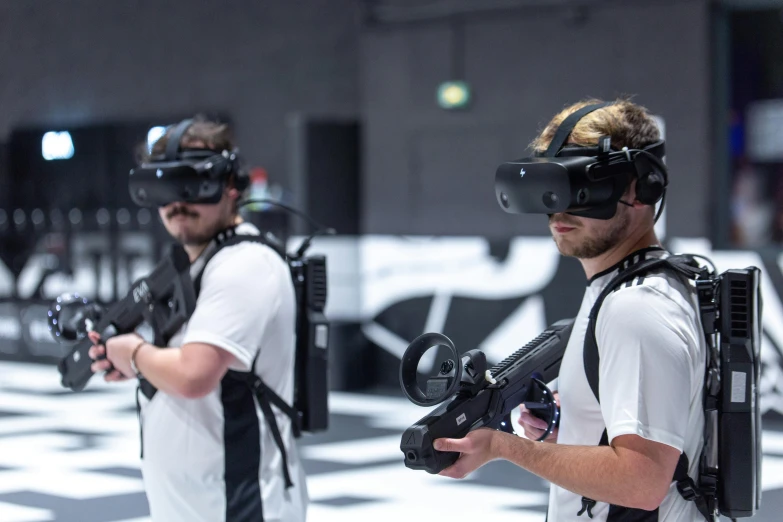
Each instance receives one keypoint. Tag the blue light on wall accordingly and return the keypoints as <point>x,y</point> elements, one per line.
<point>57,146</point>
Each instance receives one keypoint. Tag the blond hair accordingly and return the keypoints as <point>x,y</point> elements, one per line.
<point>628,124</point>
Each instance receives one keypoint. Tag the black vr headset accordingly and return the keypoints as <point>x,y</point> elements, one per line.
<point>582,181</point>
<point>189,175</point>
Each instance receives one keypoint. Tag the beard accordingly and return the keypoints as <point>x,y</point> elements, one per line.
<point>192,235</point>
<point>191,238</point>
<point>592,247</point>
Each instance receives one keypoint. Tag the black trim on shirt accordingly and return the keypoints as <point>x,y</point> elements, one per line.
<point>624,514</point>
<point>242,450</point>
<point>629,260</point>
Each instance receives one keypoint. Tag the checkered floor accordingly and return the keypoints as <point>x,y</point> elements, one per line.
<point>74,458</point>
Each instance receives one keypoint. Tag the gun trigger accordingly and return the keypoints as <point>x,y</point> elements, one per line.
<point>488,377</point>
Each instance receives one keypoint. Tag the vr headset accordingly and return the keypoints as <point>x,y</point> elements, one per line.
<point>189,175</point>
<point>582,181</point>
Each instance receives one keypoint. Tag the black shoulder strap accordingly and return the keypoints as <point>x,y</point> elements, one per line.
<point>690,491</point>
<point>681,264</point>
<point>590,355</point>
<point>266,398</point>
<point>232,239</point>
<point>684,265</point>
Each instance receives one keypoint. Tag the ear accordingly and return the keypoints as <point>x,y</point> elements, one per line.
<point>233,193</point>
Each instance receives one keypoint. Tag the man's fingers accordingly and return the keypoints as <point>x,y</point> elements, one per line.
<point>456,445</point>
<point>454,471</point>
<point>464,466</point>
<point>528,419</point>
<point>94,336</point>
<point>114,376</point>
<point>96,351</point>
<point>101,366</point>
<point>534,434</point>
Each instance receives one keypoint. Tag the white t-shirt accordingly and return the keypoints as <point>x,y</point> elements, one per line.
<point>201,456</point>
<point>651,374</point>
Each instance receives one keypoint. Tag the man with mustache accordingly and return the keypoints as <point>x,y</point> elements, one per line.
<point>651,370</point>
<point>208,452</point>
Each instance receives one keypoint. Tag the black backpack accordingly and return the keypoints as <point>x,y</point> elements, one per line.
<point>730,463</point>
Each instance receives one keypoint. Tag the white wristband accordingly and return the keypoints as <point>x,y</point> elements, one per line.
<point>133,358</point>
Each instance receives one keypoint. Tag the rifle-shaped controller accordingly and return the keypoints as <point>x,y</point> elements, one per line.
<point>480,397</point>
<point>165,299</point>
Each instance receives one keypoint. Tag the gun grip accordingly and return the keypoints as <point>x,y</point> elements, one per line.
<point>417,448</point>
<point>75,368</point>
<point>432,462</point>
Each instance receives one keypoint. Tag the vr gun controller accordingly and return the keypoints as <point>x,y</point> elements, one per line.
<point>165,299</point>
<point>479,397</point>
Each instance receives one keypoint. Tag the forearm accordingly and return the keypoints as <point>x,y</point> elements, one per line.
<point>596,472</point>
<point>167,370</point>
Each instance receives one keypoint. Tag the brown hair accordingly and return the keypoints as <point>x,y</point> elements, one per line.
<point>204,132</point>
<point>628,125</point>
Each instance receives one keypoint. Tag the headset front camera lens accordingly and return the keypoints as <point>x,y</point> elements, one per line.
<point>550,199</point>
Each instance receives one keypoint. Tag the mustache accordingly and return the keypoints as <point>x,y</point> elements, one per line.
<point>562,222</point>
<point>181,210</point>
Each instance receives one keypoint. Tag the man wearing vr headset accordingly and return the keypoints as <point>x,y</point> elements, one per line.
<point>598,173</point>
<point>207,452</point>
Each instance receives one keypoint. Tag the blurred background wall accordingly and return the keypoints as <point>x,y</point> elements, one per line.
<point>338,107</point>
<point>381,62</point>
<point>83,62</point>
<point>427,169</point>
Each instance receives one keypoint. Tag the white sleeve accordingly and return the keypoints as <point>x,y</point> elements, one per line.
<point>645,366</point>
<point>240,294</point>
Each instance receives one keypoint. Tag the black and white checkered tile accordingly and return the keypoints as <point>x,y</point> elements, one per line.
<point>74,458</point>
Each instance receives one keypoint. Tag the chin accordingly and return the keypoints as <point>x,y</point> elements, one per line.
<point>572,250</point>
<point>564,246</point>
<point>190,239</point>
